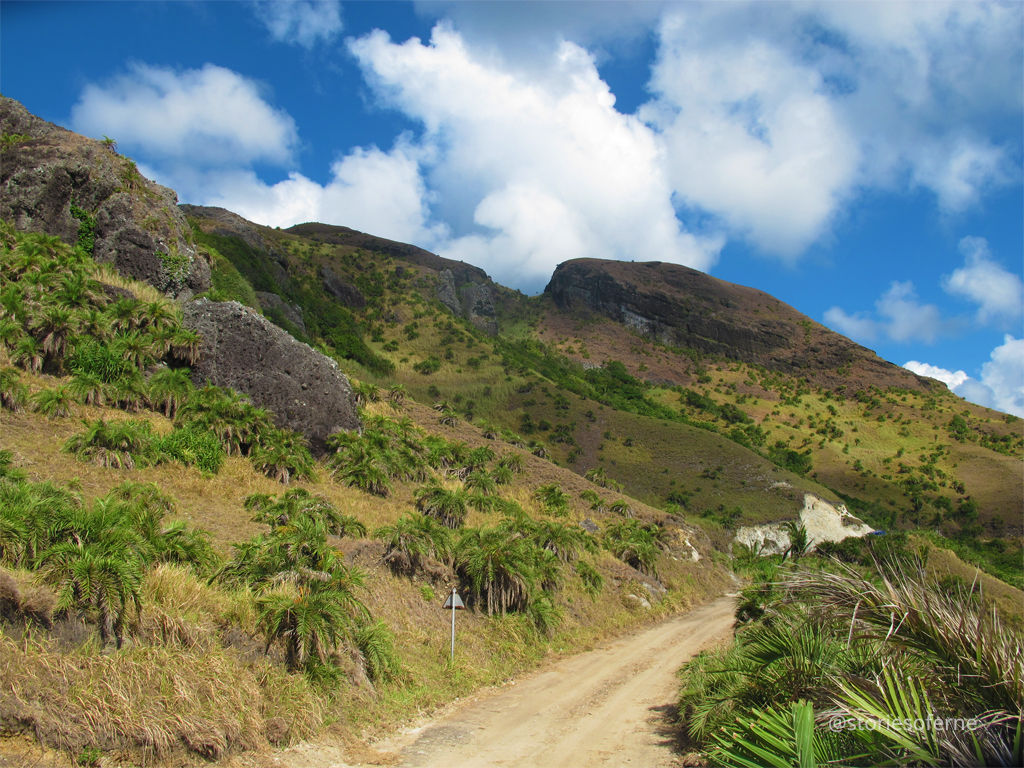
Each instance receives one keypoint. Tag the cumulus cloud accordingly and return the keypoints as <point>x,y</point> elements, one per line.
<point>899,316</point>
<point>548,167</point>
<point>774,116</point>
<point>207,116</point>
<point>951,379</point>
<point>750,135</point>
<point>1002,378</point>
<point>301,22</point>
<point>370,190</point>
<point>998,293</point>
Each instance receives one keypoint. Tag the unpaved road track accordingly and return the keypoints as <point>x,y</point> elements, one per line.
<point>608,707</point>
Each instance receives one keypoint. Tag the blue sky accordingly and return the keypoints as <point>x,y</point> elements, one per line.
<point>860,161</point>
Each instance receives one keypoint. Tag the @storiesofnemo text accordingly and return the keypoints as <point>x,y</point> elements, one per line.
<point>907,724</point>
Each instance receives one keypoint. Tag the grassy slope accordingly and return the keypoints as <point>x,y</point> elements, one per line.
<point>253,693</point>
<point>907,427</point>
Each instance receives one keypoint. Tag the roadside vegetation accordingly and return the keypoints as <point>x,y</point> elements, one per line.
<point>871,661</point>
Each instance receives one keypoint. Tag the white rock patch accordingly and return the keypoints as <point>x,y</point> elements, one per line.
<point>822,521</point>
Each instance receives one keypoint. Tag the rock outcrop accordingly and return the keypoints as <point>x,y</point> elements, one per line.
<point>137,225</point>
<point>681,307</point>
<point>822,521</point>
<point>471,300</point>
<point>243,350</point>
<point>479,308</point>
<point>446,292</point>
<point>292,312</point>
<point>347,294</point>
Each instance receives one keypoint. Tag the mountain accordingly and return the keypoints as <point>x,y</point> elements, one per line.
<point>287,398</point>
<point>680,307</point>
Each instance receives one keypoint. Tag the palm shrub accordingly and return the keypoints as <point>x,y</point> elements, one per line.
<point>13,394</point>
<point>115,444</point>
<point>481,483</point>
<point>366,393</point>
<point>309,621</point>
<point>593,581</point>
<point>129,392</point>
<point>545,614</point>
<point>967,660</point>
<point>798,540</point>
<point>283,455</point>
<point>621,507</point>
<point>169,389</point>
<point>92,577</point>
<point>502,475</point>
<point>564,541</point>
<point>10,332</point>
<point>883,648</point>
<point>88,389</point>
<point>30,518</point>
<point>54,327</point>
<point>593,499</point>
<point>28,354</point>
<point>297,504</point>
<point>446,506</point>
<point>365,472</point>
<point>8,471</point>
<point>412,541</point>
<point>376,646</point>
<point>635,544</point>
<point>397,394</point>
<point>499,567</point>
<point>554,500</point>
<point>55,402</point>
<point>238,424</point>
<point>515,463</point>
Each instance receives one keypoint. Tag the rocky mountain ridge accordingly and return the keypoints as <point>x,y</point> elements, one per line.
<point>63,184</point>
<point>682,307</point>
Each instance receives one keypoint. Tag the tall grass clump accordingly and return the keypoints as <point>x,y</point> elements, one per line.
<point>931,676</point>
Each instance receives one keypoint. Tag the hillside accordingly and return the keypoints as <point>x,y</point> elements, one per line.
<point>238,423</point>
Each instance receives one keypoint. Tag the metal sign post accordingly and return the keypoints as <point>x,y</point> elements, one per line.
<point>454,602</point>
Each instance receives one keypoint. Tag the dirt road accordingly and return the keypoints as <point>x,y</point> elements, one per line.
<point>608,707</point>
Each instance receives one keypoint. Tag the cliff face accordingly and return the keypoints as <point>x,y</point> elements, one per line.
<point>46,170</point>
<point>681,307</point>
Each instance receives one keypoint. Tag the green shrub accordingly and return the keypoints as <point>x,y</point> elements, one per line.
<point>227,282</point>
<point>99,360</point>
<point>194,445</point>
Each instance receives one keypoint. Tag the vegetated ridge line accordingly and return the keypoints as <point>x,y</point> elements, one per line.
<point>601,708</point>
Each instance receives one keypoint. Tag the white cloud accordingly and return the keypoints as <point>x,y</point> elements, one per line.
<point>370,190</point>
<point>301,22</point>
<point>859,326</point>
<point>548,167</point>
<point>899,316</point>
<point>775,116</point>
<point>750,136</point>
<point>1002,378</point>
<point>207,116</point>
<point>951,379</point>
<point>999,293</point>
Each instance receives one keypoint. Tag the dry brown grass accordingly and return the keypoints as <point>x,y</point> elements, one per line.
<point>193,680</point>
<point>108,275</point>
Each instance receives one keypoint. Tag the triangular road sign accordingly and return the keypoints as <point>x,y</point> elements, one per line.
<point>458,601</point>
